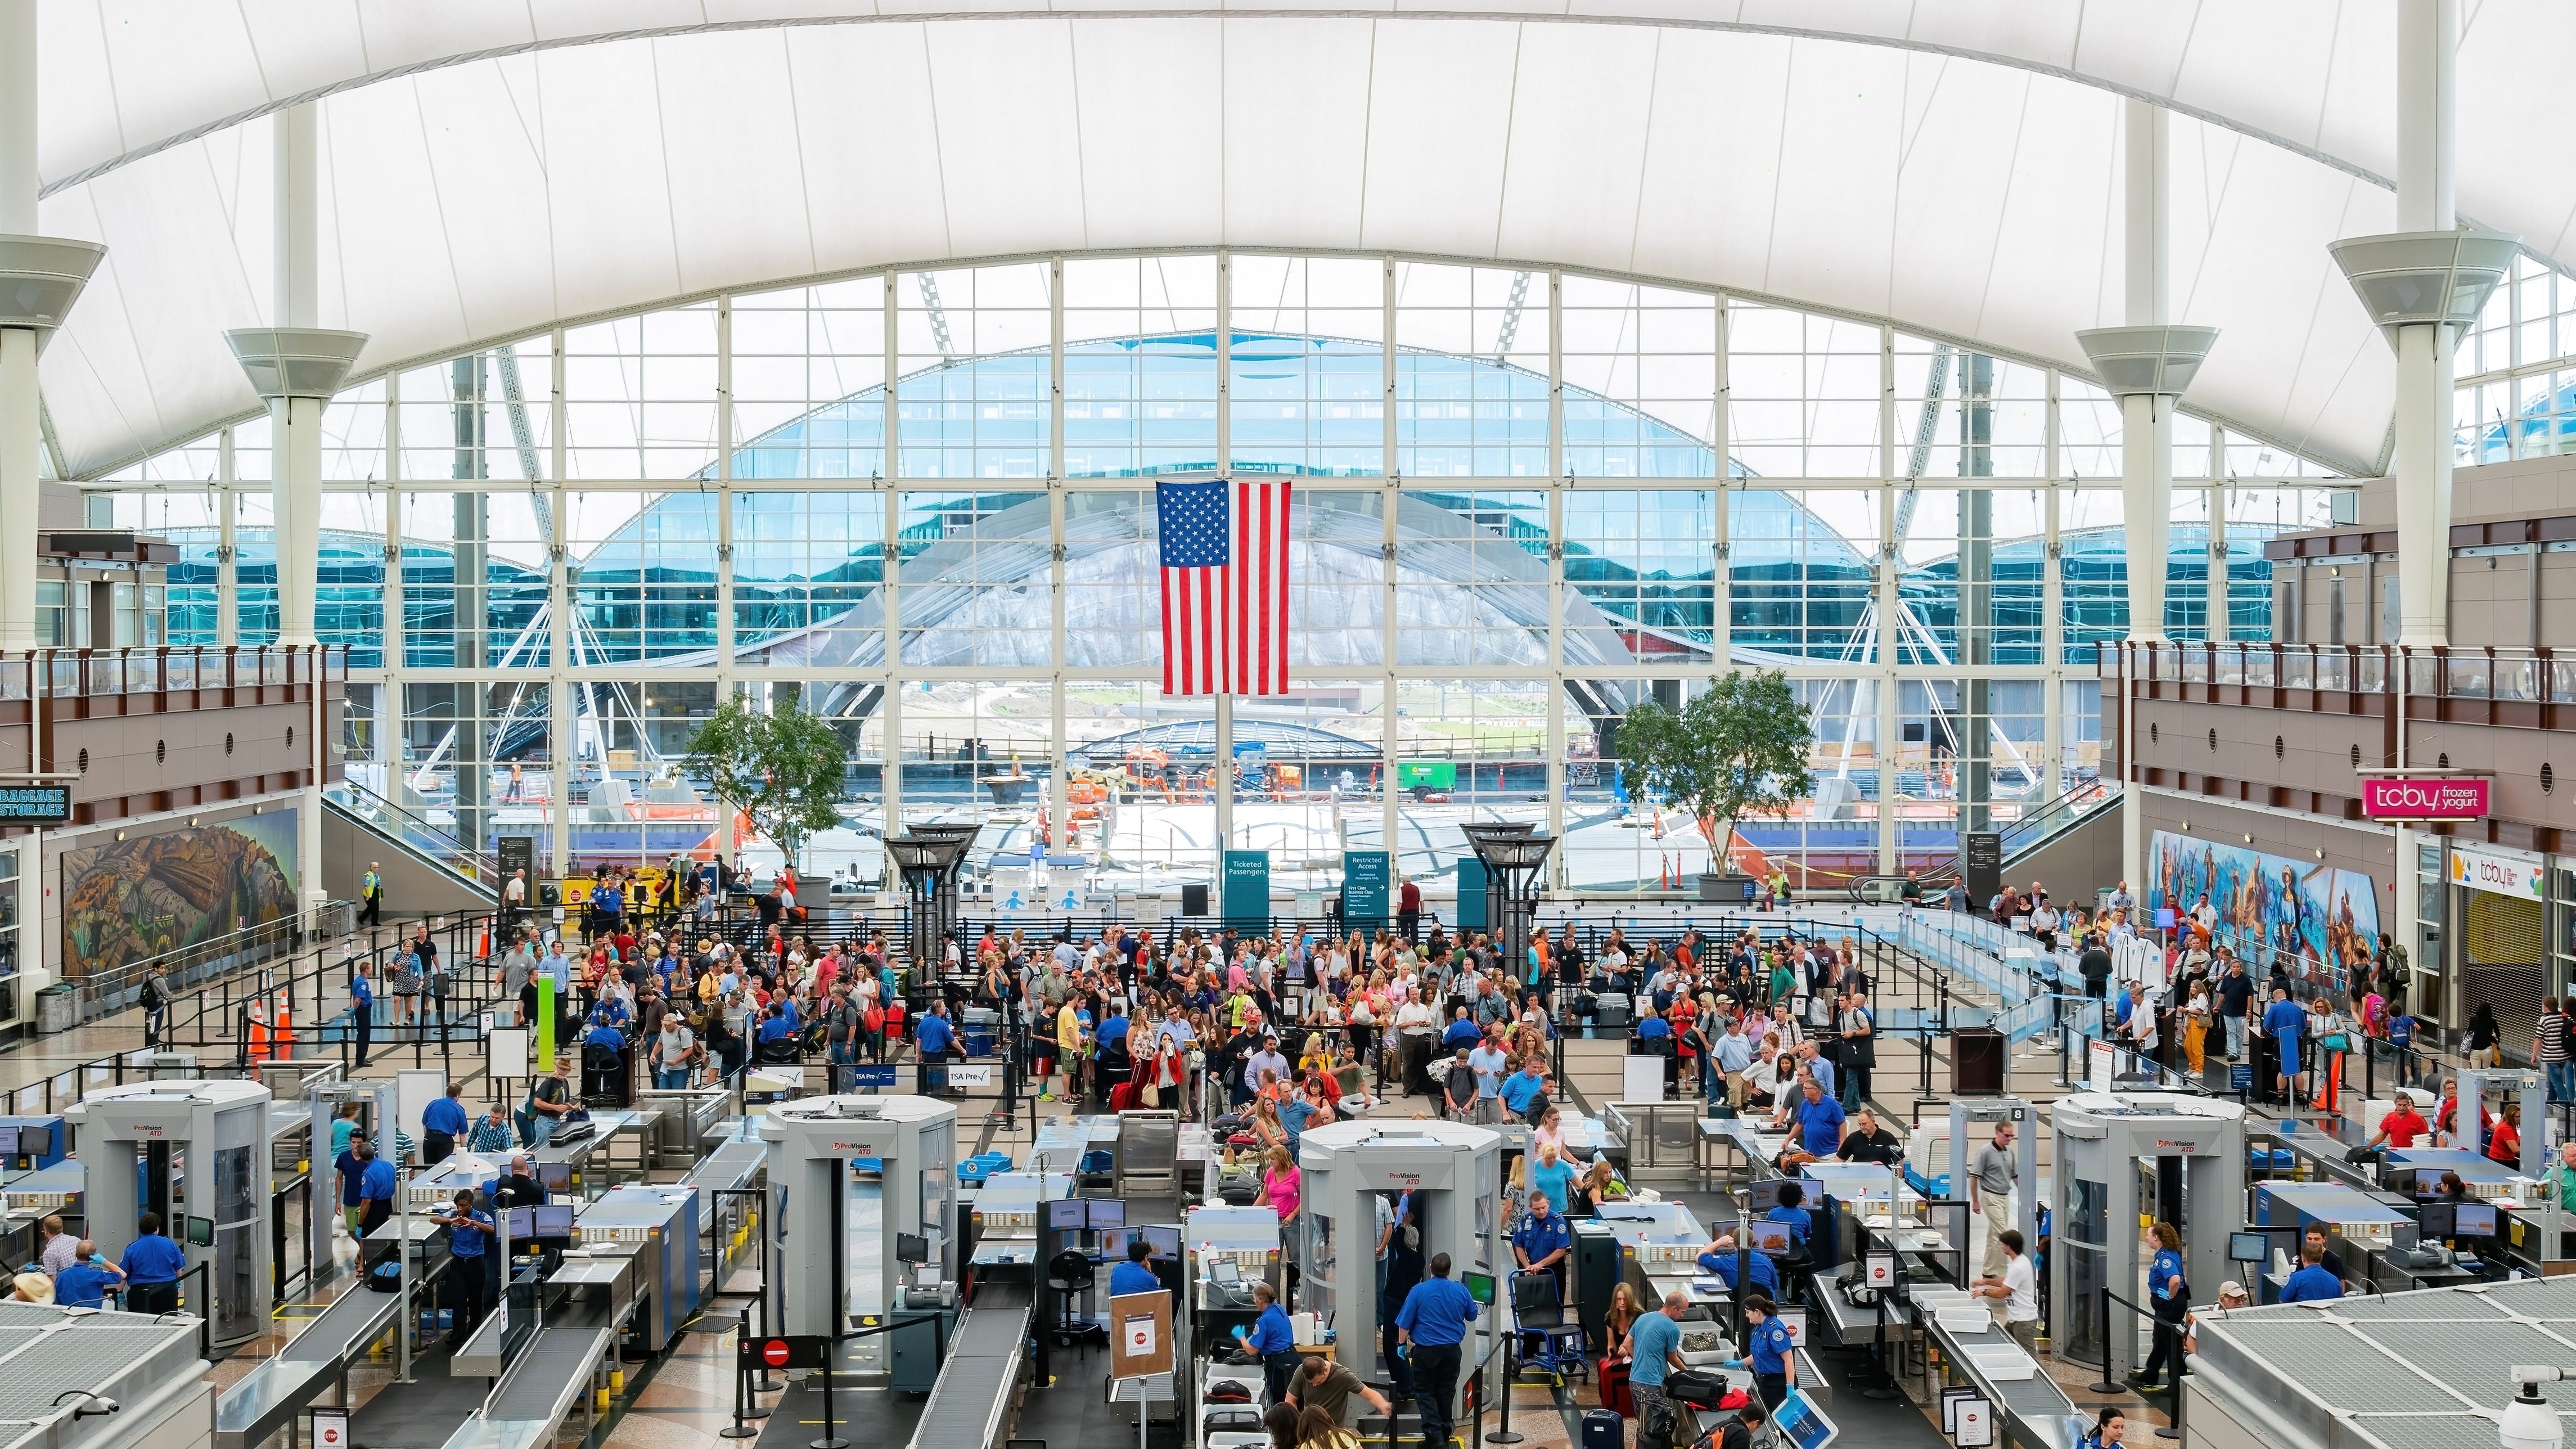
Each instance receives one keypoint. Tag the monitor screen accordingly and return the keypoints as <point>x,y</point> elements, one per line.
<point>1107,1212</point>
<point>1765,1194</point>
<point>911,1248</point>
<point>1801,1423</point>
<point>1480,1286</point>
<point>520,1222</point>
<point>553,1220</point>
<point>2476,1220</point>
<point>2248,1247</point>
<point>2439,1220</point>
<point>1773,1238</point>
<point>1225,1270</point>
<point>1164,1241</point>
<point>1064,1214</point>
<point>201,1232</point>
<point>8,1141</point>
<point>36,1141</point>
<point>555,1176</point>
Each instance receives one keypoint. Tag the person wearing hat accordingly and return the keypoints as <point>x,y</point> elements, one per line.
<point>550,1100</point>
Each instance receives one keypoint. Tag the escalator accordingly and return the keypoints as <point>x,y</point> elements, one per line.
<point>2040,827</point>
<point>426,868</point>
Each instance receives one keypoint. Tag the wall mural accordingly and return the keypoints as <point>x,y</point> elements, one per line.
<point>2267,905</point>
<point>128,900</point>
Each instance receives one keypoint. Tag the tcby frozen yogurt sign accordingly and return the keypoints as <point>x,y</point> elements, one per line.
<point>2456,798</point>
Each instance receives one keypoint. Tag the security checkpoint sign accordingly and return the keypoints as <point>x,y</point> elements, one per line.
<point>330,1429</point>
<point>1141,1343</point>
<point>785,1351</point>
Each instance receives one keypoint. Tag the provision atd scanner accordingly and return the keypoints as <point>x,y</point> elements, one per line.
<point>2101,1137</point>
<point>813,1146</point>
<point>1972,1126</point>
<point>376,1113</point>
<point>136,1142</point>
<point>1346,1167</point>
<point>2531,1089</point>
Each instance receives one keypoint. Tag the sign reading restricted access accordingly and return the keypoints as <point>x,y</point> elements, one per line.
<point>1140,1343</point>
<point>786,1351</point>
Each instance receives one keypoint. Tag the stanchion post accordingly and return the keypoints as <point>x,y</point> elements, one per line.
<point>1503,1435</point>
<point>741,1428</point>
<point>2104,1385</point>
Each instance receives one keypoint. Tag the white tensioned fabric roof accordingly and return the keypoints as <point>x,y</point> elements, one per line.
<point>492,166</point>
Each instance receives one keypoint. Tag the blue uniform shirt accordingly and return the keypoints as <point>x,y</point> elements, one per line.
<point>604,1035</point>
<point>1114,1029</point>
<point>1770,1347</point>
<point>82,1286</point>
<point>2285,1020</point>
<point>1436,1313</point>
<point>2311,1284</point>
<point>153,1259</point>
<point>378,1180</point>
<point>1270,1333</point>
<point>1796,1218</point>
<point>444,1115</point>
<point>1765,1276</point>
<point>463,1242</point>
<point>1537,1238</point>
<point>361,995</point>
<point>2161,1273</point>
<point>1133,1278</point>
<point>775,1028</point>
<point>936,1035</point>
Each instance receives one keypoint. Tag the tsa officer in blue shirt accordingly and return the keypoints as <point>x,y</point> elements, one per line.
<point>442,1125</point>
<point>1543,1240</point>
<point>1135,1275</point>
<point>1272,1341</point>
<point>2312,1283</point>
<point>1432,1324</point>
<point>1789,1211</point>
<point>469,1241</point>
<point>1721,1259</point>
<point>85,1282</point>
<point>2166,1290</point>
<point>1772,1351</point>
<point>375,1189</point>
<point>935,1036</point>
<point>152,1265</point>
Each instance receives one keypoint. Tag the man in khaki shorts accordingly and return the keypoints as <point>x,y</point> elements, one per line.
<point>1992,1175</point>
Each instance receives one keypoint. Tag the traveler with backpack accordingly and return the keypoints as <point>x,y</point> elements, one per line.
<point>1653,1349</point>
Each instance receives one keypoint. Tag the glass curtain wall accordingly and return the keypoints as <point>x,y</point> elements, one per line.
<point>1525,500</point>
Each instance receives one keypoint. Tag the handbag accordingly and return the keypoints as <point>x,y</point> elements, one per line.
<point>1692,1387</point>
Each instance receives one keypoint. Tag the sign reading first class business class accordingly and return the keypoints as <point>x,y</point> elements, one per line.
<point>35,804</point>
<point>2425,797</point>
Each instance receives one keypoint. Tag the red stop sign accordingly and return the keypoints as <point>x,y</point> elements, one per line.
<point>775,1352</point>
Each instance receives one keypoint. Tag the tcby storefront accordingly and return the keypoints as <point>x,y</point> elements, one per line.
<point>2485,916</point>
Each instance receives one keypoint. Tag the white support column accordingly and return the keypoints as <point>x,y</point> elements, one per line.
<point>1223,782</point>
<point>1722,438</point>
<point>227,549</point>
<point>2052,612</point>
<point>2146,364</point>
<point>725,661</point>
<point>2428,38</point>
<point>1557,871</point>
<point>40,278</point>
<point>1890,727</point>
<point>889,587</point>
<point>1059,745</point>
<point>1390,740</point>
<point>395,636</point>
<point>2215,586</point>
<point>562,726</point>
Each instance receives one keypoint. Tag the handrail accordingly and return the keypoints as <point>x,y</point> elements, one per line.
<point>164,669</point>
<point>411,828</point>
<point>2035,824</point>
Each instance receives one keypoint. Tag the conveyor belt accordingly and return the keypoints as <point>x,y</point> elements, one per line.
<point>273,1393</point>
<point>543,1384</point>
<point>980,1373</point>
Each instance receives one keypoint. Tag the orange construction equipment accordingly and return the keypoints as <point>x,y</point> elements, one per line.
<point>282,1029</point>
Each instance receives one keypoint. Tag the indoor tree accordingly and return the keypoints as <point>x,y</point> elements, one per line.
<point>1736,749</point>
<point>782,767</point>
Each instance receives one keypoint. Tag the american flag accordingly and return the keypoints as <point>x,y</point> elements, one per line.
<point>1225,587</point>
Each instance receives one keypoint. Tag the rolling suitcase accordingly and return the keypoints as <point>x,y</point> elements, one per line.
<point>1603,1429</point>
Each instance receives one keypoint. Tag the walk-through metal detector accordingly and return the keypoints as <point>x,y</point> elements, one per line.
<point>1344,1169</point>
<point>2533,1087</point>
<point>2101,1138</point>
<point>1972,1127</point>
<point>376,1113</point>
<point>818,1149</point>
<point>195,1152</point>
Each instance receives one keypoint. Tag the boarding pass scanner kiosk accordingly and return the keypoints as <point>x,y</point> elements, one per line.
<point>888,1241</point>
<point>2101,1139</point>
<point>1345,1169</point>
<point>195,1152</point>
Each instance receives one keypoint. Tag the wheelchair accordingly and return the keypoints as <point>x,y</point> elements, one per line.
<point>1550,1345</point>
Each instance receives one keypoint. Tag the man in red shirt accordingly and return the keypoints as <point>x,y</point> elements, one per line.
<point>2403,1127</point>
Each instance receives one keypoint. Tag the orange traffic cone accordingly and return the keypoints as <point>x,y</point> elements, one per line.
<point>2330,1083</point>
<point>282,1031</point>
<point>258,1031</point>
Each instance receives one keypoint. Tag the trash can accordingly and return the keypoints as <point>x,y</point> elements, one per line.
<point>57,1010</point>
<point>1978,1055</point>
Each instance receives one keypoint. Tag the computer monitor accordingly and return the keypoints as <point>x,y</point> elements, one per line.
<point>1765,1194</point>
<point>521,1223</point>
<point>1163,1241</point>
<point>200,1231</point>
<point>1065,1214</point>
<point>555,1176</point>
<point>2439,1221</point>
<point>1106,1212</point>
<point>2248,1248</point>
<point>1775,1238</point>
<point>1224,1270</point>
<point>2475,1220</point>
<point>911,1248</point>
<point>553,1220</point>
<point>1480,1286</point>
<point>36,1141</point>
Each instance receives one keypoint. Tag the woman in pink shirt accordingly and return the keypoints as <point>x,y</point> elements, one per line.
<point>1279,1184</point>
